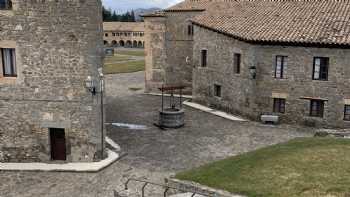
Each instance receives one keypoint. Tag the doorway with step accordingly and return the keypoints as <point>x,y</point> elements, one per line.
<point>58,144</point>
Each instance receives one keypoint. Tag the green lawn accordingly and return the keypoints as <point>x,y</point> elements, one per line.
<point>117,58</point>
<point>124,62</point>
<point>131,53</point>
<point>126,67</point>
<point>301,167</point>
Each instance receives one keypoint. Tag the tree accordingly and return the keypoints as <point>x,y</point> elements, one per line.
<point>132,16</point>
<point>114,17</point>
<point>106,14</point>
<point>109,16</point>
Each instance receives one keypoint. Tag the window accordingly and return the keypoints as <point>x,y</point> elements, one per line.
<point>279,105</point>
<point>204,54</point>
<point>217,90</point>
<point>320,70</point>
<point>237,63</point>
<point>190,30</point>
<point>8,57</point>
<point>280,65</point>
<point>347,112</point>
<point>5,4</point>
<point>316,108</point>
<point>106,34</point>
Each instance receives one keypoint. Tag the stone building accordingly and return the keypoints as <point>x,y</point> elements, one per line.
<point>124,34</point>
<point>50,52</point>
<point>286,58</point>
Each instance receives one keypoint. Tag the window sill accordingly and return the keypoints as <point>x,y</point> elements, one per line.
<point>6,13</point>
<point>8,80</point>
<point>280,79</point>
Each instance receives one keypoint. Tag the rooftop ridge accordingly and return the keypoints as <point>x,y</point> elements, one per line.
<point>216,1</point>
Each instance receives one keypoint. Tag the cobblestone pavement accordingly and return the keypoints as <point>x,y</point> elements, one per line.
<point>153,154</point>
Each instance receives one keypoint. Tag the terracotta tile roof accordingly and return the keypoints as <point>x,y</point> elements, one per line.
<point>155,14</point>
<point>286,21</point>
<point>192,5</point>
<point>123,26</point>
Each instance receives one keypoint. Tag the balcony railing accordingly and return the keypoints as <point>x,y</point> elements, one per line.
<point>5,4</point>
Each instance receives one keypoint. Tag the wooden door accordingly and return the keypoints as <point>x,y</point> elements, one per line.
<point>58,144</point>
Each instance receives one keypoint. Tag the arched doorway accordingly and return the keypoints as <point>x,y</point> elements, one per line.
<point>140,45</point>
<point>105,42</point>
<point>128,43</point>
<point>134,44</point>
<point>114,43</point>
<point>122,43</point>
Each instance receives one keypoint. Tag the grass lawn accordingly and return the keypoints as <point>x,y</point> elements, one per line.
<point>301,167</point>
<point>124,61</point>
<point>126,67</point>
<point>131,53</point>
<point>117,58</point>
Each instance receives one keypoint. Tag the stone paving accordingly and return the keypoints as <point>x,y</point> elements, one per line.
<point>153,154</point>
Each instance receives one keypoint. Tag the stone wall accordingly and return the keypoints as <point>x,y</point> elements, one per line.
<point>155,55</point>
<point>238,90</point>
<point>58,45</point>
<point>298,83</point>
<point>252,97</point>
<point>169,50</point>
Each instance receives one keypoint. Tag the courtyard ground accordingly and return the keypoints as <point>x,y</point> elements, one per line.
<point>153,154</point>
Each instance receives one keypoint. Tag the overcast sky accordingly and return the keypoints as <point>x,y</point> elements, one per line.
<point>125,5</point>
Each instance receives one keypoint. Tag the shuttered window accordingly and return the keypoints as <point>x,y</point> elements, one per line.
<point>190,30</point>
<point>237,63</point>
<point>5,4</point>
<point>204,61</point>
<point>8,57</point>
<point>280,65</point>
<point>217,90</point>
<point>279,105</point>
<point>316,108</point>
<point>320,70</point>
<point>347,112</point>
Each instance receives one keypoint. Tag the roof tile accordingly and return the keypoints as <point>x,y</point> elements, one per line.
<point>301,21</point>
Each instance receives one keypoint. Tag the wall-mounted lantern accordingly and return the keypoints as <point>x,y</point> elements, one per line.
<point>252,71</point>
<point>90,85</point>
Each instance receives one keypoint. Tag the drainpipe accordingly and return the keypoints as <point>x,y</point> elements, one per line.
<point>102,114</point>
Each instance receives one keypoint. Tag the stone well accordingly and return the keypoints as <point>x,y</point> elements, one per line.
<point>172,118</point>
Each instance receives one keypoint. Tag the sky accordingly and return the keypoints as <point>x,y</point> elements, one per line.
<point>125,5</point>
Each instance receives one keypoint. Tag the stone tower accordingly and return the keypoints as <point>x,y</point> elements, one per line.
<point>169,45</point>
<point>49,49</point>
<point>155,28</point>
